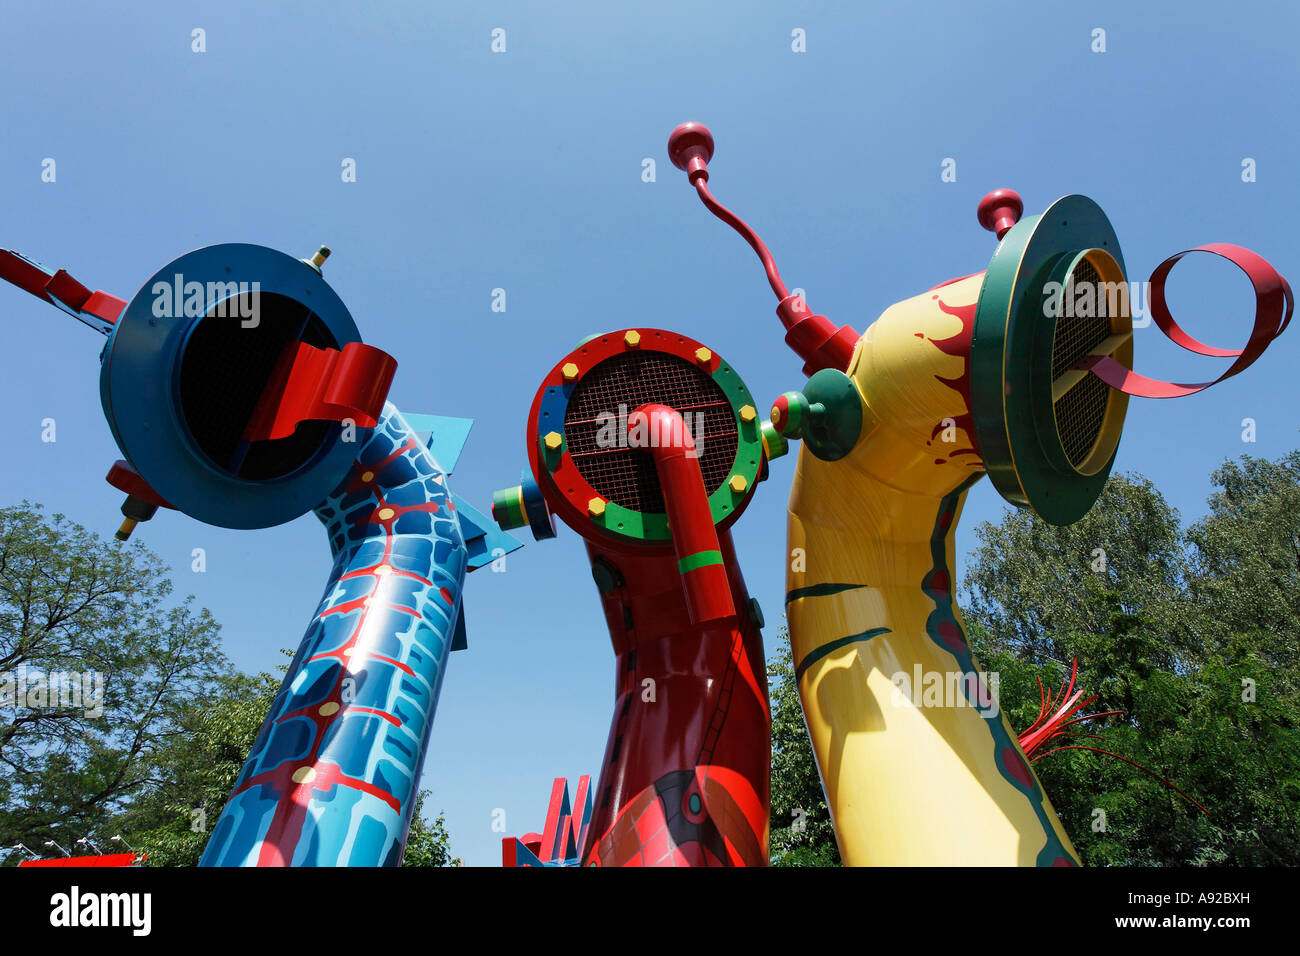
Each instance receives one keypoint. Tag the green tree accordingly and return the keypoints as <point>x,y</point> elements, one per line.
<point>1191,633</point>
<point>72,603</point>
<point>801,831</point>
<point>428,844</point>
<point>193,775</point>
<point>172,821</point>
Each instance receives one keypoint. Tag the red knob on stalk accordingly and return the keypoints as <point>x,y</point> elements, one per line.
<point>1000,210</point>
<point>690,147</point>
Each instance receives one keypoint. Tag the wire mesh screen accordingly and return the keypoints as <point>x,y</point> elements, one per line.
<point>1076,335</point>
<point>1081,411</point>
<point>595,425</point>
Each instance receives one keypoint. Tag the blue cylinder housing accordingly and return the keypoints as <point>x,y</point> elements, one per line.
<point>185,366</point>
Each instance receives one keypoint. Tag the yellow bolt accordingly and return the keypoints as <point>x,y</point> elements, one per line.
<point>632,339</point>
<point>328,710</point>
<point>596,507</point>
<point>747,413</point>
<point>739,484</point>
<point>368,476</point>
<point>775,416</point>
<point>703,356</point>
<point>304,775</point>
<point>570,371</point>
<point>553,441</point>
<point>385,513</point>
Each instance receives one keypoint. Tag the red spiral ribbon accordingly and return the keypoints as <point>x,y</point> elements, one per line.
<point>1274,305</point>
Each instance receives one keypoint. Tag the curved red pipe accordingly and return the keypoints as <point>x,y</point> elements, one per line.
<point>661,432</point>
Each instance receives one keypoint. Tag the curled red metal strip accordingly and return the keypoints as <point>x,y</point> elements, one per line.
<point>311,384</point>
<point>1274,305</point>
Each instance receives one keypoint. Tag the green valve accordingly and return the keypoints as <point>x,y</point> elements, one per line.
<point>827,414</point>
<point>508,508</point>
<point>774,443</point>
<point>789,413</point>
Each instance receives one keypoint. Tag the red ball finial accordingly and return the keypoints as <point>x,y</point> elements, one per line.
<point>1000,210</point>
<point>690,147</point>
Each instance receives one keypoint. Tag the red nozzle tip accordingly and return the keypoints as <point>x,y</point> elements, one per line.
<point>1000,210</point>
<point>690,147</point>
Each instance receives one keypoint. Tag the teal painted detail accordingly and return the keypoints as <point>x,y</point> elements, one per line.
<point>819,590</point>
<point>816,655</point>
<point>1053,849</point>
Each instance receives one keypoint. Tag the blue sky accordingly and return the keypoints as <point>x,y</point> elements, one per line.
<point>522,170</point>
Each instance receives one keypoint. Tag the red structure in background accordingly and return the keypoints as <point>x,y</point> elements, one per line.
<point>648,445</point>
<point>105,859</point>
<point>560,842</point>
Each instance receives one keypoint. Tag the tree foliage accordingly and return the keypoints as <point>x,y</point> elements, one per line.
<point>172,821</point>
<point>156,766</point>
<point>1192,632</point>
<point>801,831</point>
<point>72,603</point>
<point>428,843</point>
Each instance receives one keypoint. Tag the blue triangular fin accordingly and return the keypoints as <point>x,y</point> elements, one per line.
<point>445,437</point>
<point>484,541</point>
<point>459,639</point>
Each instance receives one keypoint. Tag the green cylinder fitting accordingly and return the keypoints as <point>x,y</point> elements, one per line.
<point>508,508</point>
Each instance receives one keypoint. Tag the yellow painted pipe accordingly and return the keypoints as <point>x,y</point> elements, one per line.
<point>918,763</point>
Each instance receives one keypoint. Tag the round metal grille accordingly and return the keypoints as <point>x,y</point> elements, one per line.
<point>1077,336</point>
<point>616,387</point>
<point>1081,411</point>
<point>223,373</point>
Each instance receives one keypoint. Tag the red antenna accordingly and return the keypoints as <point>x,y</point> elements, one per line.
<point>814,338</point>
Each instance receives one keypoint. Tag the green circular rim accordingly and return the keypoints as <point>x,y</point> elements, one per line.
<point>1011,345</point>
<point>724,502</point>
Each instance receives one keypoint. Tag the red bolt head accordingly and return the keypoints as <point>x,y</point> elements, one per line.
<point>690,147</point>
<point>1000,210</point>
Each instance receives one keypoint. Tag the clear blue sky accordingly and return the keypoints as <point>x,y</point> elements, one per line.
<point>522,170</point>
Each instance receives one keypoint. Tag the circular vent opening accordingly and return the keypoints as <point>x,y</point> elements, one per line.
<point>1093,318</point>
<point>224,371</point>
<point>616,387</point>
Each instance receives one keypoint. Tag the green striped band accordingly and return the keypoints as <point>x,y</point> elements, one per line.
<point>700,559</point>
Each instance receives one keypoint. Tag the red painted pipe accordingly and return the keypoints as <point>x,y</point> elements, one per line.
<point>662,433</point>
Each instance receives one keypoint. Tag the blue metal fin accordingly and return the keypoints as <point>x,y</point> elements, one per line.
<point>445,437</point>
<point>484,541</point>
<point>459,640</point>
